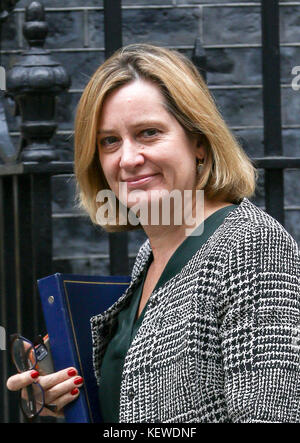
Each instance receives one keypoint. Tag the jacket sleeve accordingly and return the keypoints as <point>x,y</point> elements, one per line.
<point>260,328</point>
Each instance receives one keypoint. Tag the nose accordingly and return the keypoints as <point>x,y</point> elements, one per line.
<point>131,155</point>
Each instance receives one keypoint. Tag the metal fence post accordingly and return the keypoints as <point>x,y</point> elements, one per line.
<point>25,192</point>
<point>274,184</point>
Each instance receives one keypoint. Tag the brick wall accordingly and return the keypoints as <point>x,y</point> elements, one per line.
<point>231,34</point>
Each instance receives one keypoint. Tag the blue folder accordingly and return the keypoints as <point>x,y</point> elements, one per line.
<point>68,302</point>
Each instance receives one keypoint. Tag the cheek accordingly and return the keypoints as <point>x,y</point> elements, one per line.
<point>107,168</point>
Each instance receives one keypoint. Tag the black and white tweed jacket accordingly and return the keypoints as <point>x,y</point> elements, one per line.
<point>220,341</point>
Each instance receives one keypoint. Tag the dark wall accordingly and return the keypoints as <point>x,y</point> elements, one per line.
<point>231,35</point>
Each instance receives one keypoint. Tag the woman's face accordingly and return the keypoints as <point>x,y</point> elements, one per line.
<point>142,144</point>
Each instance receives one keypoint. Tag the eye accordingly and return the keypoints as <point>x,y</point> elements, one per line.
<point>150,132</point>
<point>108,141</point>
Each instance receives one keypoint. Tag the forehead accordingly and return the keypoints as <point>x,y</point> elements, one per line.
<point>139,97</point>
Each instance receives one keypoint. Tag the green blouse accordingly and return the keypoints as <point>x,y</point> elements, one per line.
<point>114,357</point>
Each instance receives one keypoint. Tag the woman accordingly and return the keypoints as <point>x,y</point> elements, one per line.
<point>207,329</point>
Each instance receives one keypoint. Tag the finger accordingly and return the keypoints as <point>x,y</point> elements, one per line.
<point>60,403</point>
<point>61,389</point>
<point>19,381</point>
<point>51,380</point>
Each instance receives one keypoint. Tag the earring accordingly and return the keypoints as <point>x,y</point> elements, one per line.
<point>199,165</point>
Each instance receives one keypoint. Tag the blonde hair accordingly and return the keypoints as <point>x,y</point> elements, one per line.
<point>228,173</point>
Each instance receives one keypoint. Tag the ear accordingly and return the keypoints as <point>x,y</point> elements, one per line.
<point>200,149</point>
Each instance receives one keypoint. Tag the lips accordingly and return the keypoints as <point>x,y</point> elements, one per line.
<point>139,180</point>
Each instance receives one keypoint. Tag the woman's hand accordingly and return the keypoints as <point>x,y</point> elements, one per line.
<point>60,387</point>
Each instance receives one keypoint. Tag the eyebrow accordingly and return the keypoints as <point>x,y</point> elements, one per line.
<point>136,125</point>
<point>105,131</point>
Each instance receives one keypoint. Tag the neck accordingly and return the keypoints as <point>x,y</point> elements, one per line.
<point>165,239</point>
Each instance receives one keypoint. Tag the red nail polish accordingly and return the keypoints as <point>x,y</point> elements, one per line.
<point>78,381</point>
<point>72,372</point>
<point>74,391</point>
<point>35,374</point>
